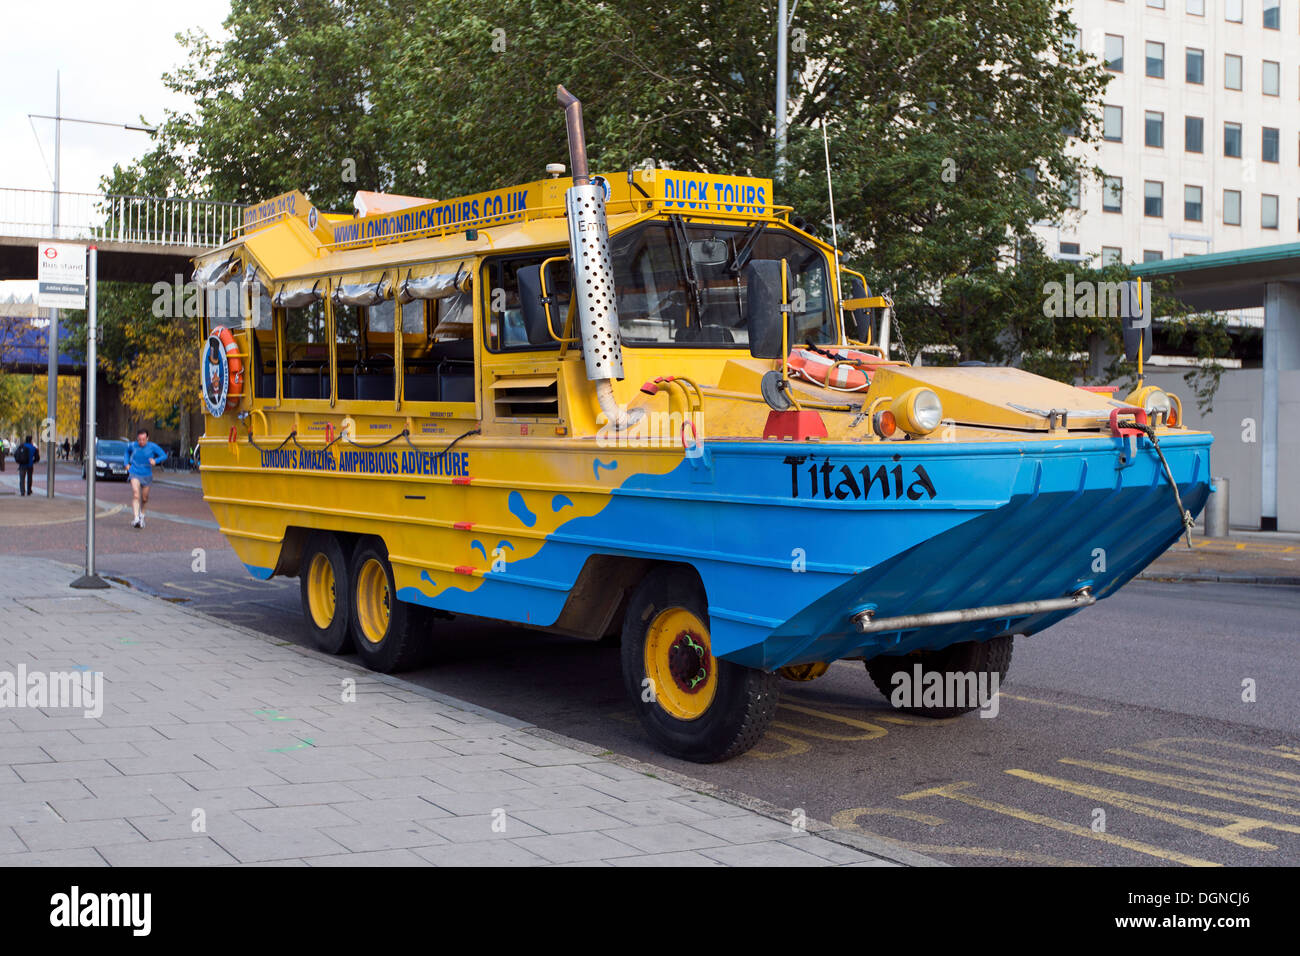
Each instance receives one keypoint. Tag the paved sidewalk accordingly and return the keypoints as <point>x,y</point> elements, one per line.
<point>1244,557</point>
<point>217,745</point>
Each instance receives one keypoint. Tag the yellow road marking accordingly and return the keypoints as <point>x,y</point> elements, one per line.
<point>873,731</point>
<point>852,815</point>
<point>1163,746</point>
<point>952,791</point>
<point>1052,703</point>
<point>1155,808</point>
<point>846,820</point>
<point>1197,768</point>
<point>1200,786</point>
<point>793,747</point>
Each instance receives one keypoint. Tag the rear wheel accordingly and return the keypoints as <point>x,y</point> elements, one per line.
<point>390,635</point>
<point>982,659</point>
<point>323,578</point>
<point>692,705</point>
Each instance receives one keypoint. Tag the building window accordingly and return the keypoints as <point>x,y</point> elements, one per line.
<point>1196,8</point>
<point>1271,84</point>
<point>1112,126</point>
<point>1271,145</point>
<point>1152,255</point>
<point>1069,248</point>
<point>1232,10</point>
<point>1267,212</point>
<point>1232,207</point>
<point>1153,199</point>
<point>1111,255</point>
<point>1194,134</point>
<point>1155,59</point>
<point>1158,4</point>
<point>1272,14</point>
<point>1114,53</point>
<point>1155,129</point>
<point>1232,140</point>
<point>1072,189</point>
<point>1192,204</point>
<point>1195,65</point>
<point>1231,71</point>
<point>1112,193</point>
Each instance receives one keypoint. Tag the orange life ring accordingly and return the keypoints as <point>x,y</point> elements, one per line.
<point>234,365</point>
<point>844,370</point>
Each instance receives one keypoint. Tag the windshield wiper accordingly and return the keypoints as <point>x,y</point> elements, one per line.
<point>738,261</point>
<point>689,268</point>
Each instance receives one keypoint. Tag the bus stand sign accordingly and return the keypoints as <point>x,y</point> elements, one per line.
<point>61,276</point>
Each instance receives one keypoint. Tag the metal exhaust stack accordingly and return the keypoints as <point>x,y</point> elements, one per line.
<point>593,270</point>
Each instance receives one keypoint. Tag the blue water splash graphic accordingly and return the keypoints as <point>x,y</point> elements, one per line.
<point>597,464</point>
<point>520,510</point>
<point>560,502</point>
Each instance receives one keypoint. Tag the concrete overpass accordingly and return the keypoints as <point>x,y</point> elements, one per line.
<point>1256,421</point>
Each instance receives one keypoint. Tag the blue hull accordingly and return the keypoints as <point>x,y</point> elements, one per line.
<point>791,541</point>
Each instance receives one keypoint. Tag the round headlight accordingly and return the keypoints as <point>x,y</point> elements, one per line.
<point>918,411</point>
<point>99,463</point>
<point>1157,401</point>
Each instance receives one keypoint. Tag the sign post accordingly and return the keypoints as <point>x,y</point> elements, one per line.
<point>90,579</point>
<point>61,284</point>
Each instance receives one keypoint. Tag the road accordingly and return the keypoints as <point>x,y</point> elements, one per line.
<point>1161,727</point>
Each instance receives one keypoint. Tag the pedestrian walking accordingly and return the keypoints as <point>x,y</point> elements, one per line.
<point>76,449</point>
<point>140,459</point>
<point>26,458</point>
<point>4,451</point>
<point>67,449</point>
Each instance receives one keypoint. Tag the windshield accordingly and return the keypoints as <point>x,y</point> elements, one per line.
<point>681,283</point>
<point>110,449</point>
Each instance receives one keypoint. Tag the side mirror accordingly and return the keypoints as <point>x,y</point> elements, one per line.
<point>763,315</point>
<point>530,300</point>
<point>1136,317</point>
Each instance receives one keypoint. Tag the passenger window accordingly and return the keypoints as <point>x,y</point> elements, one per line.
<point>348,348</point>
<point>306,362</point>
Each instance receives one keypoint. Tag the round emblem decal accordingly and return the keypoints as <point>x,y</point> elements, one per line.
<point>603,183</point>
<point>311,219</point>
<point>215,371</point>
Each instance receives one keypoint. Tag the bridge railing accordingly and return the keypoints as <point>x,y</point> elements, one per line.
<point>150,220</point>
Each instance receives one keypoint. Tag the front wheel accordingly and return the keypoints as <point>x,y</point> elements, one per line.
<point>390,635</point>
<point>953,680</point>
<point>692,705</point>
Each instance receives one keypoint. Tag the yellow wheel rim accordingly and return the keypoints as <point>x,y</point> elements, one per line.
<point>321,599</point>
<point>679,662</point>
<point>373,604</point>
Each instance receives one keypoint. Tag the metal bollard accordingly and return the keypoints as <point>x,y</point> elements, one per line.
<point>1216,509</point>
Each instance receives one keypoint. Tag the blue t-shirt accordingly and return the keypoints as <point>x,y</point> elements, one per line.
<point>137,458</point>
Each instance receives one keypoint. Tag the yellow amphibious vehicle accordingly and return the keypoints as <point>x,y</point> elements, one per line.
<point>649,404</point>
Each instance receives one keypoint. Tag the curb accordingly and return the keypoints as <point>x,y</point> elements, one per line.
<point>873,846</point>
<point>1173,577</point>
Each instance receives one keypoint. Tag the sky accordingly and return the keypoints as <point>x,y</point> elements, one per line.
<point>111,55</point>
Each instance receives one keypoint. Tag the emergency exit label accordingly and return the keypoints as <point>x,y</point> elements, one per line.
<point>61,276</point>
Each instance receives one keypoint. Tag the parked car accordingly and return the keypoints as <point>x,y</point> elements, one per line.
<point>110,459</point>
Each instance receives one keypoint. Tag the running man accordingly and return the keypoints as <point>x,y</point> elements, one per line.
<point>140,459</point>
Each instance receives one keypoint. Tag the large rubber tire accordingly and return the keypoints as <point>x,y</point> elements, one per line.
<point>743,700</point>
<point>326,593</point>
<point>992,657</point>
<point>390,635</point>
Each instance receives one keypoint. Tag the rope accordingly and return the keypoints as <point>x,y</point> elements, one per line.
<point>1188,521</point>
<point>292,436</point>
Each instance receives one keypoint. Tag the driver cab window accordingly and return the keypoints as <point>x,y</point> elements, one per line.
<point>504,306</point>
<point>682,283</point>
